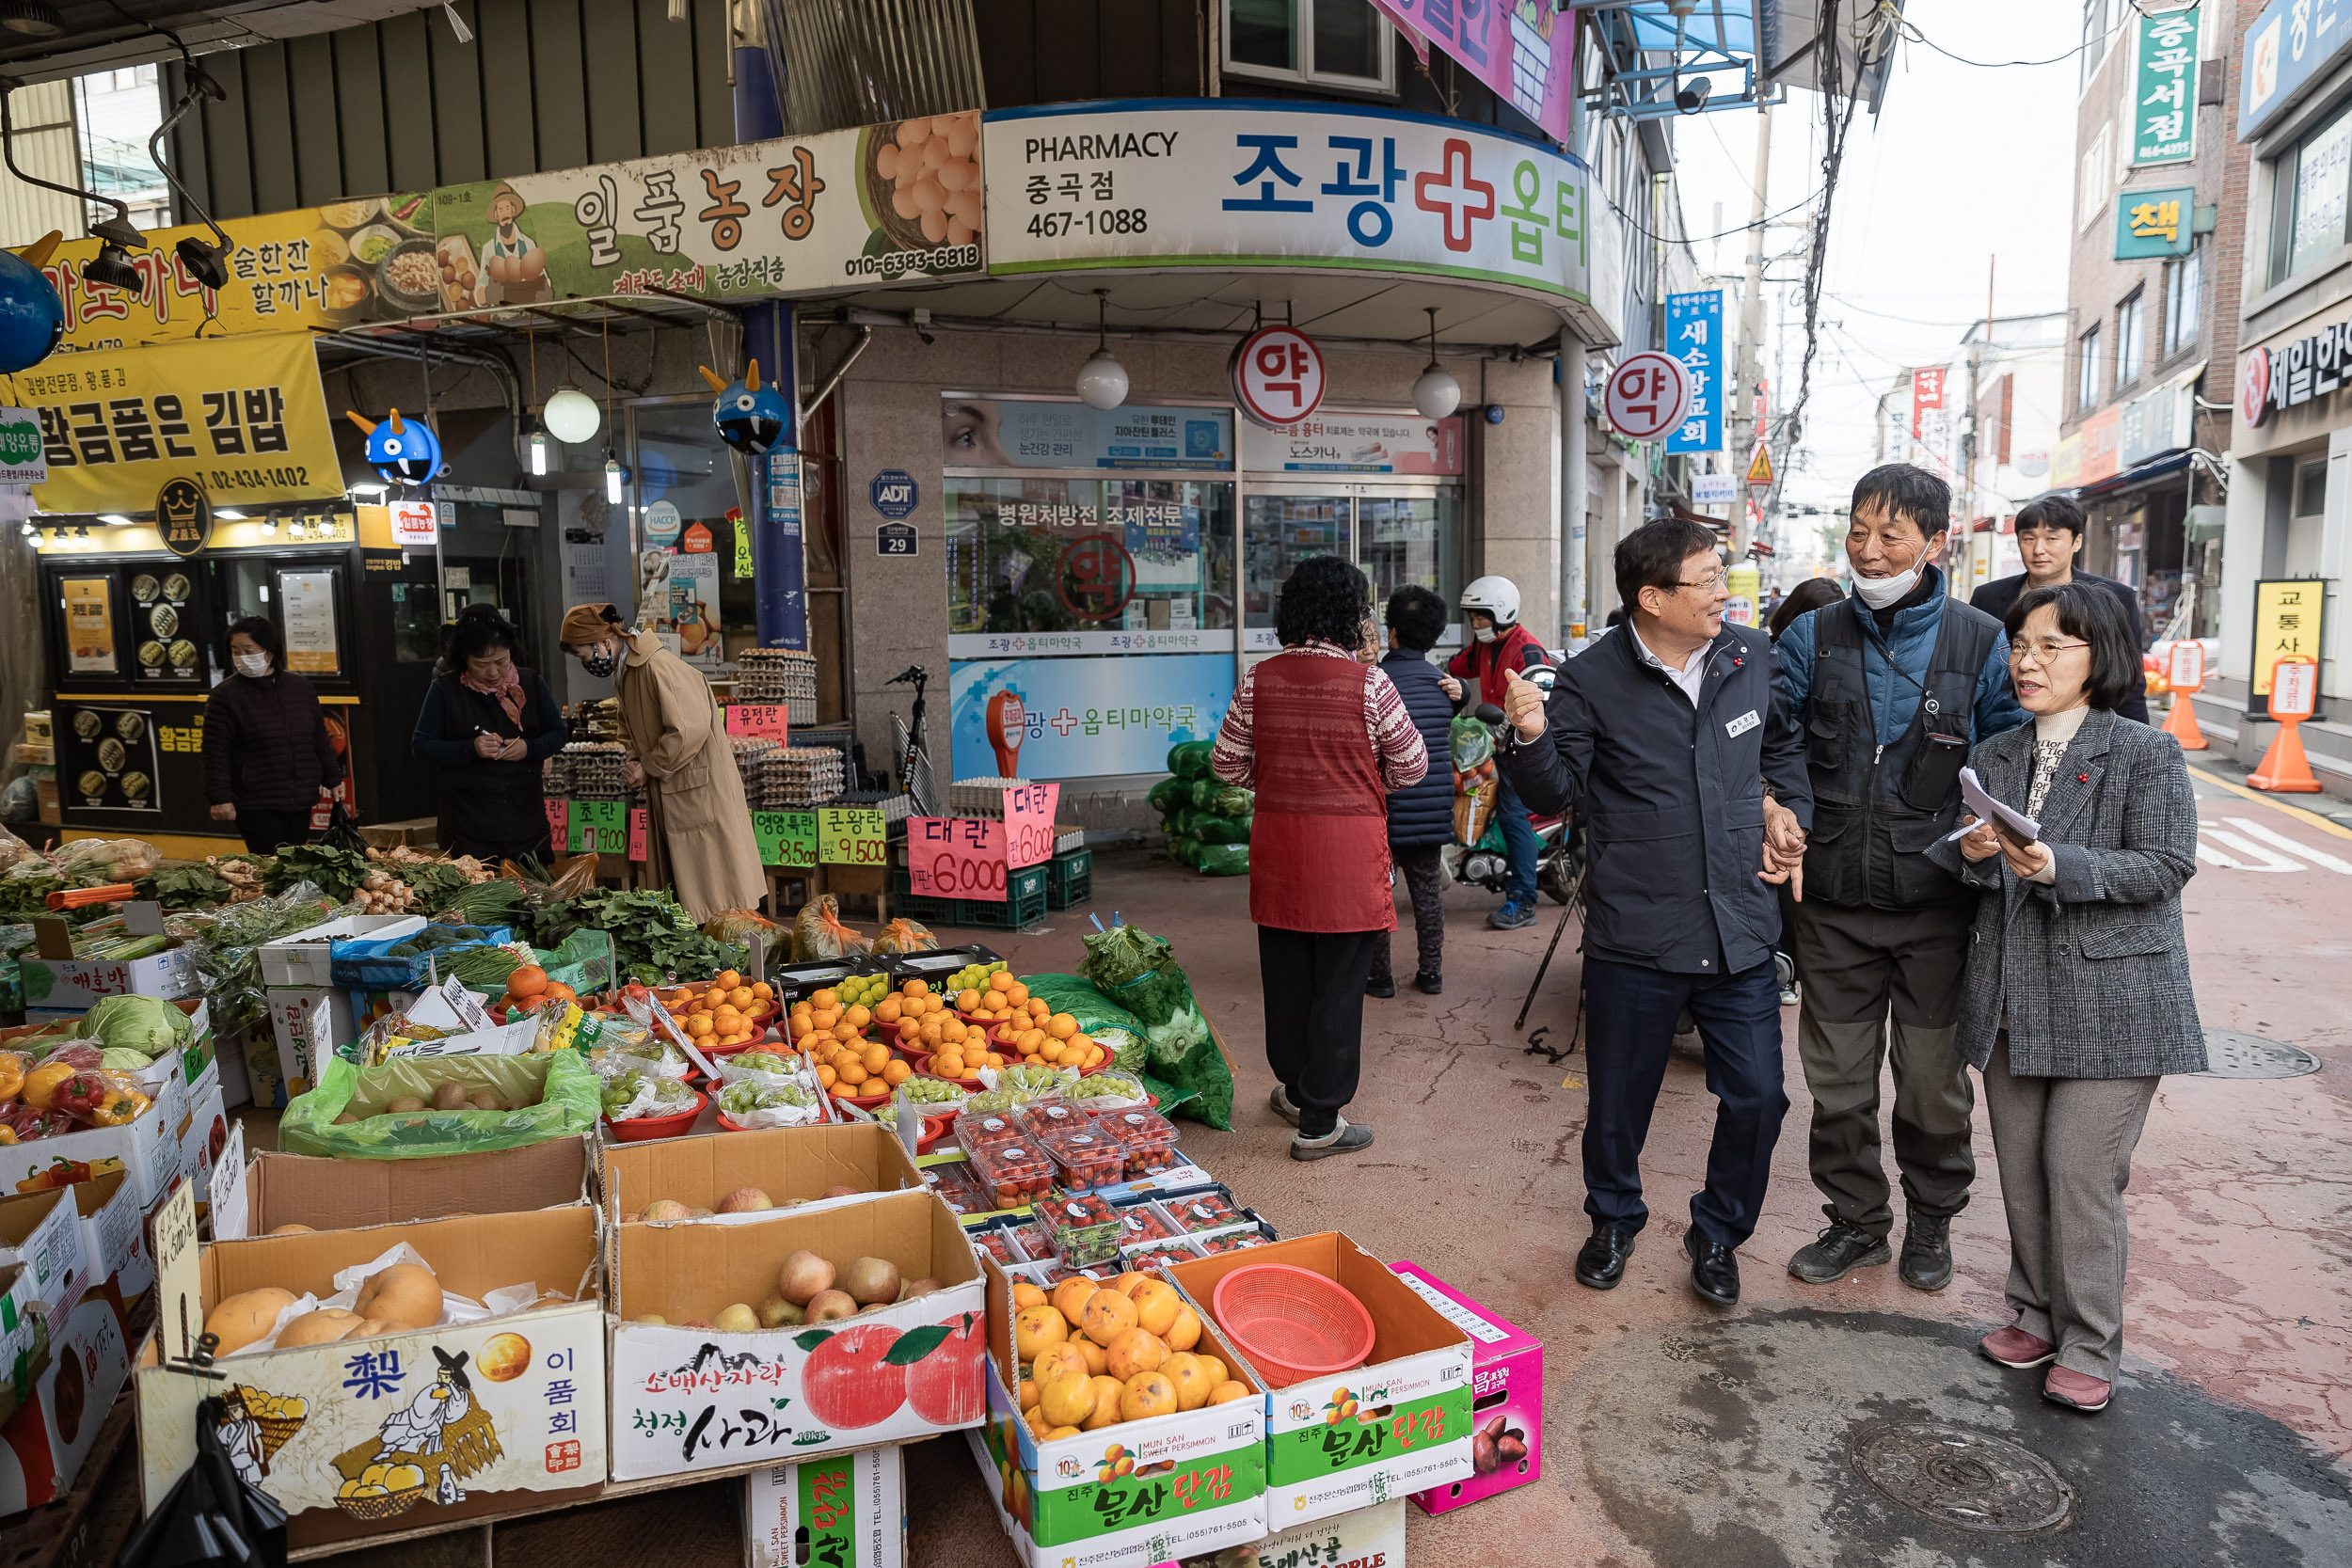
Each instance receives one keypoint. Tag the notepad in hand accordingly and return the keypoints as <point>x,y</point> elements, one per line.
<point>2012,825</point>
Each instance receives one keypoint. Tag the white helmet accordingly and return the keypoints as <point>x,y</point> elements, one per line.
<point>1496,599</point>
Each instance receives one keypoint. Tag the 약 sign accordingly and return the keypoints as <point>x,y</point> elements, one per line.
<point>1278,376</point>
<point>1648,395</point>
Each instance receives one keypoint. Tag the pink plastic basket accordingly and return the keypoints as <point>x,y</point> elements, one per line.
<point>1292,1323</point>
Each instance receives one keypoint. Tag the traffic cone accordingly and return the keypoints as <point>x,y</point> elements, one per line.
<point>2181,723</point>
<point>2284,769</point>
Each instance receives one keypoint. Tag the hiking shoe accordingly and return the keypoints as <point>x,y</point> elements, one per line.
<point>1512,916</point>
<point>1927,1263</point>
<point>1279,1103</point>
<point>1381,986</point>
<point>1428,982</point>
<point>1347,1138</point>
<point>1836,1250</point>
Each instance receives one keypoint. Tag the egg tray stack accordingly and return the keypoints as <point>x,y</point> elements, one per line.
<point>980,796</point>
<point>596,721</point>
<point>595,769</point>
<point>808,776</point>
<point>894,808</point>
<point>752,754</point>
<point>783,676</point>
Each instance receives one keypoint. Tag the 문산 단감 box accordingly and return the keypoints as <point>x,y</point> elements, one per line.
<point>850,1510</point>
<point>1397,1425</point>
<point>688,1399</point>
<point>407,1429</point>
<point>1506,1397</point>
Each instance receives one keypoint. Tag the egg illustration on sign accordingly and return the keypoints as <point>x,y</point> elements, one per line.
<point>750,417</point>
<point>405,451</point>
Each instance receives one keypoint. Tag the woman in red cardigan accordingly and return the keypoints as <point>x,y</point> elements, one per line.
<point>1322,736</point>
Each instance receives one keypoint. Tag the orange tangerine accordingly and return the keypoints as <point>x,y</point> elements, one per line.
<point>1061,1026</point>
<point>826,1076</point>
<point>851,1075</point>
<point>728,980</point>
<point>698,1025</point>
<point>918,987</point>
<point>895,1073</point>
<point>740,997</point>
<point>824,1001</point>
<point>763,991</point>
<point>889,1012</point>
<point>856,1016</point>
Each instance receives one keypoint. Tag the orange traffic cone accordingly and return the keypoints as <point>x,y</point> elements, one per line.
<point>2181,723</point>
<point>2284,769</point>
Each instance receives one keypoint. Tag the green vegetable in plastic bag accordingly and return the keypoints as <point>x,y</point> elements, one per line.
<point>1223,829</point>
<point>1189,759</point>
<point>1222,860</point>
<point>1204,791</point>
<point>1075,994</point>
<point>1471,743</point>
<point>561,1082</point>
<point>1183,848</point>
<point>1168,794</point>
<point>1185,1056</point>
<point>1233,800</point>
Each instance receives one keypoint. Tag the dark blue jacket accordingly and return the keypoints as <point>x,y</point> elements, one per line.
<point>1895,693</point>
<point>1675,799</point>
<point>1422,813</point>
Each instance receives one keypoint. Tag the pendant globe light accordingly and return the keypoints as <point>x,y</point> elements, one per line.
<point>1436,394</point>
<point>1102,380</point>
<point>571,415</point>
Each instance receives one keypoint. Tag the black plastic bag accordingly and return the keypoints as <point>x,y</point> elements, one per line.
<point>212,1518</point>
<point>344,834</point>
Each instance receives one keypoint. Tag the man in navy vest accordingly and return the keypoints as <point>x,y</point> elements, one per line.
<point>1669,731</point>
<point>1891,688</point>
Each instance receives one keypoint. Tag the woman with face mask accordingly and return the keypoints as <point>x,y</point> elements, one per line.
<point>486,726</point>
<point>268,756</point>
<point>700,845</point>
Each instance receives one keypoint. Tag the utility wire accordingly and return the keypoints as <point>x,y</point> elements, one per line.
<point>1910,33</point>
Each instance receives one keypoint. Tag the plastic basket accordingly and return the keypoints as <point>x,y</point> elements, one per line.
<point>1292,1323</point>
<point>638,1129</point>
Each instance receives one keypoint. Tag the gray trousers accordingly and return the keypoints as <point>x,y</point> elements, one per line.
<point>1880,983</point>
<point>2065,1150</point>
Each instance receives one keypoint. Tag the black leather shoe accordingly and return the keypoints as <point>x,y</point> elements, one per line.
<point>1430,984</point>
<point>1600,1261</point>
<point>1927,1261</point>
<point>1714,1269</point>
<point>1382,986</point>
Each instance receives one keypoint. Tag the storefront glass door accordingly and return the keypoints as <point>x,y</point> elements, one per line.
<point>1398,534</point>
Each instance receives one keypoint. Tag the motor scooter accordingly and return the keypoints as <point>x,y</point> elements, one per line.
<point>1477,856</point>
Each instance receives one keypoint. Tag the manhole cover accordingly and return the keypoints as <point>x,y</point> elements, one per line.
<point>2233,1053</point>
<point>1961,1477</point>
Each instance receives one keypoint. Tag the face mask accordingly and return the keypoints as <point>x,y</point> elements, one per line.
<point>1878,593</point>
<point>599,663</point>
<point>1486,634</point>
<point>255,665</point>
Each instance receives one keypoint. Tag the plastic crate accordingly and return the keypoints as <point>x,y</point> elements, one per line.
<point>1024,904</point>
<point>1070,878</point>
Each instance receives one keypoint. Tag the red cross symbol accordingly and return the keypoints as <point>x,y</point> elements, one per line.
<point>1453,194</point>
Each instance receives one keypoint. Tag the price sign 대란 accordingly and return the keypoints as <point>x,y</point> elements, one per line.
<point>1029,824</point>
<point>766,719</point>
<point>559,822</point>
<point>602,825</point>
<point>851,835</point>
<point>956,857</point>
<point>786,838</point>
<point>639,828</point>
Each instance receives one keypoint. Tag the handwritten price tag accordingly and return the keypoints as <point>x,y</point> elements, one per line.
<point>602,825</point>
<point>559,821</point>
<point>638,831</point>
<point>956,857</point>
<point>851,835</point>
<point>759,718</point>
<point>1029,824</point>
<point>786,838</point>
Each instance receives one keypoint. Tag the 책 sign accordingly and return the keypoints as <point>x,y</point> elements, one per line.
<point>2152,223</point>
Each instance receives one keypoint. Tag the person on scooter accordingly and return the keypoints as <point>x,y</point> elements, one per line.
<point>1499,645</point>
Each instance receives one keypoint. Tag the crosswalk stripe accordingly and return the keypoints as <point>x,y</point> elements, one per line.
<point>2272,836</point>
<point>2258,858</point>
<point>2212,856</point>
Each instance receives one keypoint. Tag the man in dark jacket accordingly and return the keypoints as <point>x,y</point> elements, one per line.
<point>1421,816</point>
<point>2049,537</point>
<point>1890,689</point>
<point>1669,732</point>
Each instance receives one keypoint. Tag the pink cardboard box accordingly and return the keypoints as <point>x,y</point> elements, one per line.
<point>1506,1388</point>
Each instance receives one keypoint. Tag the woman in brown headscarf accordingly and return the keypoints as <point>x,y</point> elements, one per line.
<point>700,841</point>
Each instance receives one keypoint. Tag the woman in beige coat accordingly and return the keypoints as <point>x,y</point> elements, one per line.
<point>699,840</point>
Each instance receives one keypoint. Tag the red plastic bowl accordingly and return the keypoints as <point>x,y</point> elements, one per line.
<point>640,1129</point>
<point>1293,1324</point>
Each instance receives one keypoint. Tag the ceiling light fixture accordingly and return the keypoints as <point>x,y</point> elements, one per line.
<point>614,476</point>
<point>1102,380</point>
<point>228,515</point>
<point>32,19</point>
<point>571,415</point>
<point>1436,394</point>
<point>371,488</point>
<point>115,518</point>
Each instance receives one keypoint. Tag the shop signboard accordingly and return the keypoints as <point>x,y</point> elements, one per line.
<point>21,459</point>
<point>2287,621</point>
<point>416,525</point>
<point>2287,48</point>
<point>2154,222</point>
<point>1695,334</point>
<point>1714,489</point>
<point>2278,379</point>
<point>2101,437</point>
<point>1013,433</point>
<point>1278,376</point>
<point>1354,444</point>
<point>2164,88</point>
<point>1087,717</point>
<point>244,417</point>
<point>794,216</point>
<point>1648,395</point>
<point>1216,184</point>
<point>2066,463</point>
<point>1523,49</point>
<point>326,267</point>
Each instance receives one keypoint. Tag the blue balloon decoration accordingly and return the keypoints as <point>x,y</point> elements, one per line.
<point>32,318</point>
<point>405,451</point>
<point>750,417</point>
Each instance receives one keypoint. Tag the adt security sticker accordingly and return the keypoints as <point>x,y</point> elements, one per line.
<point>893,493</point>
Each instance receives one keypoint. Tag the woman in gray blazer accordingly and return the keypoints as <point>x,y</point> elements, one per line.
<point>2076,998</point>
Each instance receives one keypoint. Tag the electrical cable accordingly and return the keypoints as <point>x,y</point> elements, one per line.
<point>1909,32</point>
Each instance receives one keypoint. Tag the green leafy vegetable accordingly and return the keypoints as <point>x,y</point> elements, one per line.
<point>185,887</point>
<point>337,872</point>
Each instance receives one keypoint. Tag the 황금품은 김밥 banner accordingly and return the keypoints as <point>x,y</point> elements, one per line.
<point>841,208</point>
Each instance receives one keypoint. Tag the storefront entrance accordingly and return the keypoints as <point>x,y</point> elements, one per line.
<point>1400,532</point>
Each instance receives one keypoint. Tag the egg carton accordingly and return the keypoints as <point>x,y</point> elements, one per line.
<point>808,776</point>
<point>980,796</point>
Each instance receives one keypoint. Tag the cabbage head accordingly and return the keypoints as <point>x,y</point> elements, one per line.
<point>147,1024</point>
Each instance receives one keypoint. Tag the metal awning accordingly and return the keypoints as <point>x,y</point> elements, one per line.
<point>1731,54</point>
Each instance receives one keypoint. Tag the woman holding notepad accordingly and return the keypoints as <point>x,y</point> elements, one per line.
<point>2076,998</point>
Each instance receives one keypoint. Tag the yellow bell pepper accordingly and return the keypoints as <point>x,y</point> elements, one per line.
<point>11,1075</point>
<point>119,1108</point>
<point>41,1084</point>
